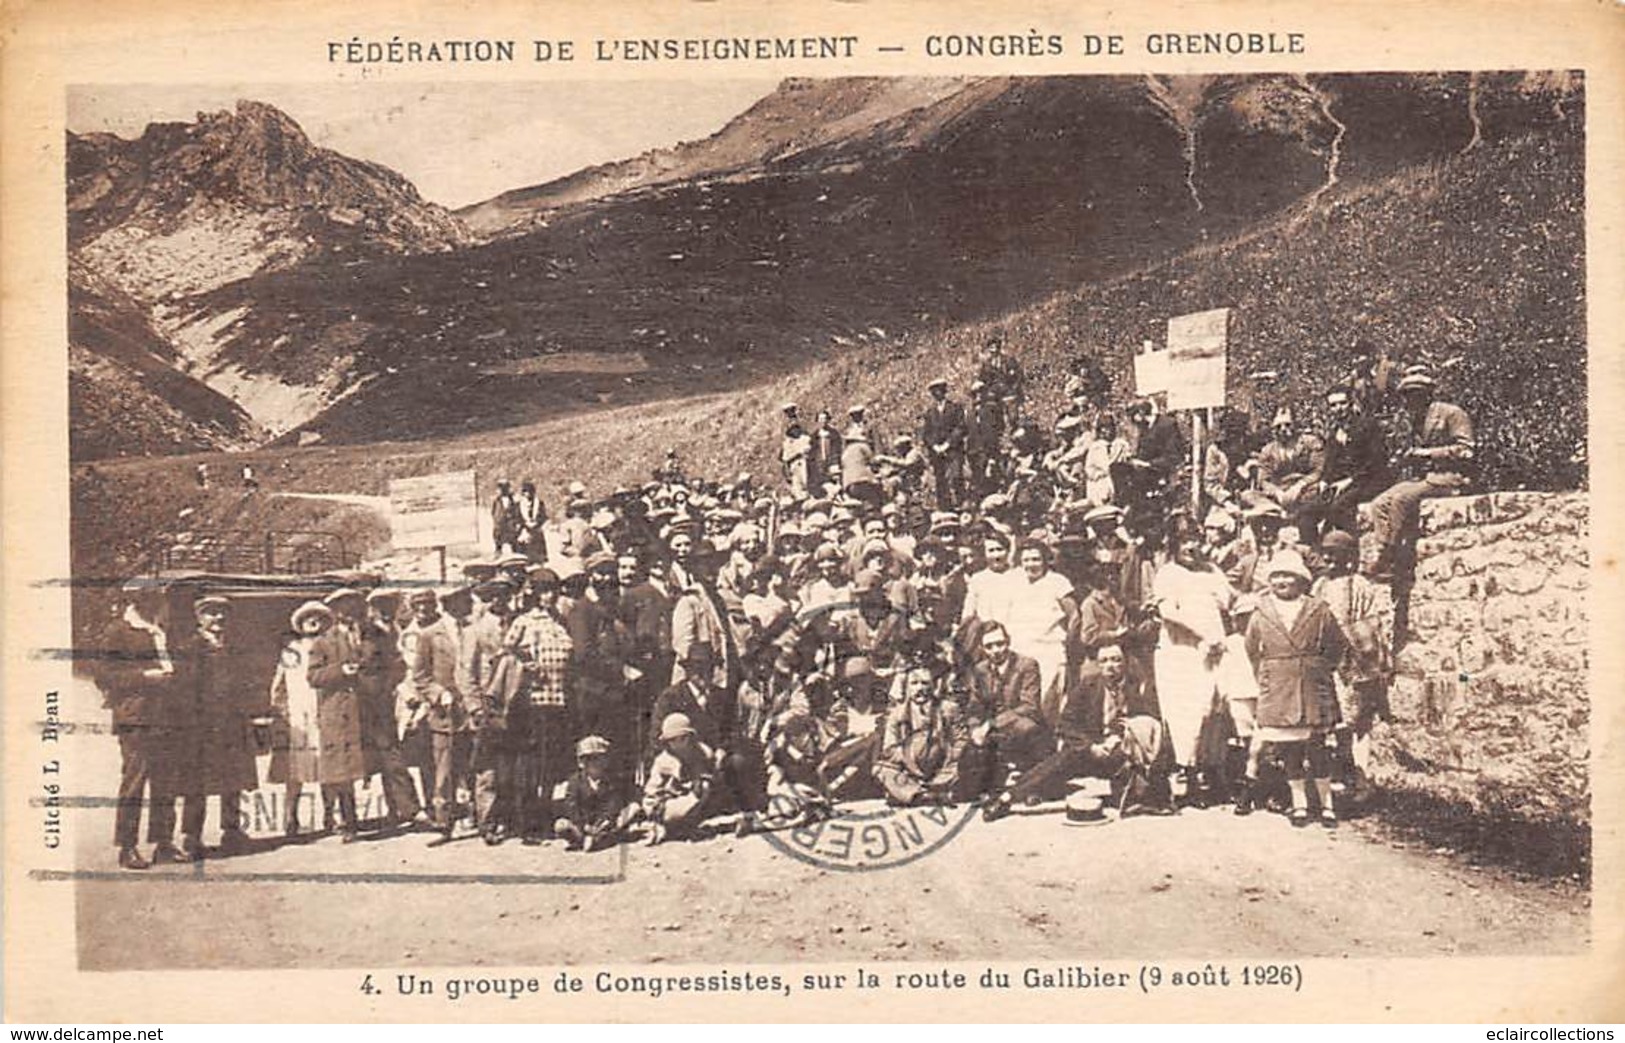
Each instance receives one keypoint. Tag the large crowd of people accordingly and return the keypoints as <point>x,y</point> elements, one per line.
<point>981,608</point>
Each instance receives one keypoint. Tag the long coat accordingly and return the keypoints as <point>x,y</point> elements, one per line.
<point>943,425</point>
<point>382,671</point>
<point>340,754</point>
<point>225,706</point>
<point>1295,665</point>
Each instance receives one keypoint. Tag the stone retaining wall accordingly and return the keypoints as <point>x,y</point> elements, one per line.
<point>1490,702</point>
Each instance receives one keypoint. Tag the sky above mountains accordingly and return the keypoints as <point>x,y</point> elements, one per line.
<point>458,143</point>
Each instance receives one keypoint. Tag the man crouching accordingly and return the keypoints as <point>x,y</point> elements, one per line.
<point>677,795</point>
<point>593,814</point>
<point>1109,729</point>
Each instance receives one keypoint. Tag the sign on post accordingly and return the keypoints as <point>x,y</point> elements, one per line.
<point>1196,359</point>
<point>436,510</point>
<point>1150,371</point>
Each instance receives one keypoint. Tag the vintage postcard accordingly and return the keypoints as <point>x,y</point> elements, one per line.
<point>874,511</point>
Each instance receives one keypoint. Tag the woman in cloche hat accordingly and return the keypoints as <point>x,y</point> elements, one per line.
<point>293,701</point>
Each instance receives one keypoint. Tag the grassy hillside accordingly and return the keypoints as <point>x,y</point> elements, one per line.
<point>1474,263</point>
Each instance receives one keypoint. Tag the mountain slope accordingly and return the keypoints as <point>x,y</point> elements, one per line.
<point>800,115</point>
<point>994,195</point>
<point>834,217</point>
<point>184,209</point>
<point>125,396</point>
<point>190,206</point>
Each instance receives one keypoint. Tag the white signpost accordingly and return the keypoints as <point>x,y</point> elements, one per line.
<point>1196,359</point>
<point>1150,371</point>
<point>1197,349</point>
<point>436,510</point>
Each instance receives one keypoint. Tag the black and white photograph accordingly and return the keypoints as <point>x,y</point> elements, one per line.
<point>892,520</point>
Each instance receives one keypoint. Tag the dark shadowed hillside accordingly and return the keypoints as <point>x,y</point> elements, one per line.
<point>1474,263</point>
<point>834,218</point>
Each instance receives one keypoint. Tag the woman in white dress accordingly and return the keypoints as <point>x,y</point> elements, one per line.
<point>1194,660</point>
<point>1039,615</point>
<point>294,760</point>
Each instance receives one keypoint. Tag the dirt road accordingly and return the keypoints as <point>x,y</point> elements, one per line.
<point>1027,887</point>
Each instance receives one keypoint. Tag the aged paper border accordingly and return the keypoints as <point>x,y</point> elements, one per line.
<point>47,46</point>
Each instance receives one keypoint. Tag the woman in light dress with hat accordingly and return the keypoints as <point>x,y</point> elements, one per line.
<point>294,754</point>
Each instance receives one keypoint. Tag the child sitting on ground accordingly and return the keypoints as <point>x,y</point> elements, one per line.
<point>593,815</point>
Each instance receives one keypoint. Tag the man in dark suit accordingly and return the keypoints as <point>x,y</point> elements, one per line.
<point>1109,728</point>
<point>218,749</point>
<point>1353,470</point>
<point>136,673</point>
<point>824,461</point>
<point>1158,455</point>
<point>984,427</point>
<point>1006,701</point>
<point>942,430</point>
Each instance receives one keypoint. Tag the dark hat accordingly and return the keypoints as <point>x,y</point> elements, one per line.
<point>493,589</point>
<point>424,596</point>
<point>855,668</point>
<point>542,578</point>
<point>866,581</point>
<point>1339,542</point>
<point>479,571</point>
<point>343,594</point>
<point>700,652</point>
<point>1082,809</point>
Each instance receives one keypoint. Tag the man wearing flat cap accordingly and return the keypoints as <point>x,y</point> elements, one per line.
<point>214,751</point>
<point>984,434</point>
<point>824,461</point>
<point>333,665</point>
<point>1002,374</point>
<point>1437,461</point>
<point>796,459</point>
<point>382,670</point>
<point>713,713</point>
<point>504,517</point>
<point>943,433</point>
<point>1363,673</point>
<point>434,666</point>
<point>858,479</point>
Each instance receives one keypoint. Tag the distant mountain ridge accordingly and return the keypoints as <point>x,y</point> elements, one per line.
<point>251,176</point>
<point>832,217</point>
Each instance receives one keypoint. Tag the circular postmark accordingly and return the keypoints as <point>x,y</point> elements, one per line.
<point>857,840</point>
